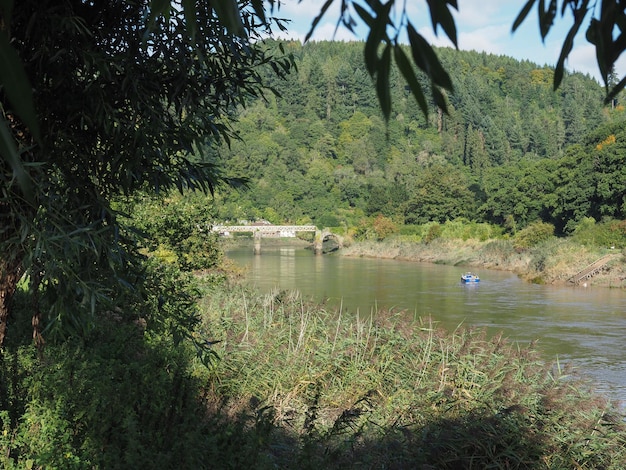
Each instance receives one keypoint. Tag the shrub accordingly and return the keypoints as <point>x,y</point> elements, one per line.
<point>609,233</point>
<point>532,235</point>
<point>377,229</point>
<point>383,227</point>
<point>433,232</point>
<point>116,399</point>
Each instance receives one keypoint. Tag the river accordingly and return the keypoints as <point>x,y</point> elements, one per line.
<point>583,326</point>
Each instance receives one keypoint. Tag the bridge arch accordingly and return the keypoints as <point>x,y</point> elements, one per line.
<point>328,235</point>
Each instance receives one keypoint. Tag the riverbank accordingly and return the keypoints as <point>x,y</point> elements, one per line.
<point>551,262</point>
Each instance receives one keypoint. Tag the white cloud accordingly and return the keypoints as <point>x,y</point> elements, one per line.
<point>307,9</point>
<point>490,39</point>
<point>480,13</point>
<point>583,59</point>
<point>326,30</point>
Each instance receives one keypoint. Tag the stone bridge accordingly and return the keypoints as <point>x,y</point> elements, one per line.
<point>279,231</point>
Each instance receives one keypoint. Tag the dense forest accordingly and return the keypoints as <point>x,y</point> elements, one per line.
<point>509,150</point>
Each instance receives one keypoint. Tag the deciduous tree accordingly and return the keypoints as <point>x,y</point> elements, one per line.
<point>100,99</point>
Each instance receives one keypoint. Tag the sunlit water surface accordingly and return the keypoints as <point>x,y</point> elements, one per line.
<point>584,326</point>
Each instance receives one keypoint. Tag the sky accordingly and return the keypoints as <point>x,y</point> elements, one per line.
<point>482,25</point>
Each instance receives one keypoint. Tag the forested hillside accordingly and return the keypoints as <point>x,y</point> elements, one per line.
<point>509,151</point>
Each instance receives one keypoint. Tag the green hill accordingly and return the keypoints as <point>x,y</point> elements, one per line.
<point>320,151</point>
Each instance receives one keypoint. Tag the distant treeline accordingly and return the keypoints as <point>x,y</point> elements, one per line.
<point>510,150</point>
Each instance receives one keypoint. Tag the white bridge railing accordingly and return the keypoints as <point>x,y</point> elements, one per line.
<point>276,230</point>
<point>264,228</point>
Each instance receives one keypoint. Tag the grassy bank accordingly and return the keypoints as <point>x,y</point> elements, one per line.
<point>552,261</point>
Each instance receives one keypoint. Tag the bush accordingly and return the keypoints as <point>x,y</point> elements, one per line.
<point>433,232</point>
<point>411,230</point>
<point>464,229</point>
<point>176,229</point>
<point>532,235</point>
<point>609,233</point>
<point>117,399</point>
<point>377,229</point>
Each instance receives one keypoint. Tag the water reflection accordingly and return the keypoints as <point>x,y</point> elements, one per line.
<point>581,325</point>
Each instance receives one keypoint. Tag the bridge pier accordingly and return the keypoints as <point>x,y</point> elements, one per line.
<point>318,242</point>
<point>257,242</point>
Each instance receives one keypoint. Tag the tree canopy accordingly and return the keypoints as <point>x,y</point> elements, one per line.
<point>509,152</point>
<point>98,100</point>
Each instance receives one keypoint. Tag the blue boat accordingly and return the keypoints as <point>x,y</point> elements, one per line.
<point>470,277</point>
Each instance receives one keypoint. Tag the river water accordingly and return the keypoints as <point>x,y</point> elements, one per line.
<point>583,326</point>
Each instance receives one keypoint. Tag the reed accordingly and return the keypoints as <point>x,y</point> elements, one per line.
<point>385,390</point>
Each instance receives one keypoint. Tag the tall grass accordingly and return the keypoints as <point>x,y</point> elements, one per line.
<point>377,390</point>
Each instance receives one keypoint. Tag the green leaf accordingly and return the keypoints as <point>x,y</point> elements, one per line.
<point>546,17</point>
<point>568,44</point>
<point>426,59</point>
<point>229,15</point>
<point>17,87</point>
<point>9,153</point>
<point>440,15</point>
<point>191,21</point>
<point>257,6</point>
<point>407,72</point>
<point>523,14</point>
<point>364,14</point>
<point>382,82</point>
<point>317,19</point>
<point>378,33</point>
<point>159,7</point>
<point>596,37</point>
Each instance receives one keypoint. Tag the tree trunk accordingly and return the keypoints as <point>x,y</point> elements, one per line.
<point>10,273</point>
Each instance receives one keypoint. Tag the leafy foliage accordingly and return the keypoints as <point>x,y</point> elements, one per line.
<point>176,224</point>
<point>127,98</point>
<point>532,235</point>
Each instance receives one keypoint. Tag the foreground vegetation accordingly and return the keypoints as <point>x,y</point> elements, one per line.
<point>295,385</point>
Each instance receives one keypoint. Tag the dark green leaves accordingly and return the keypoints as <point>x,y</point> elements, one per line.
<point>16,86</point>
<point>131,100</point>
<point>318,18</point>
<point>408,73</point>
<point>228,13</point>
<point>422,53</point>
<point>377,35</point>
<point>441,16</point>
<point>523,14</point>
<point>546,15</point>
